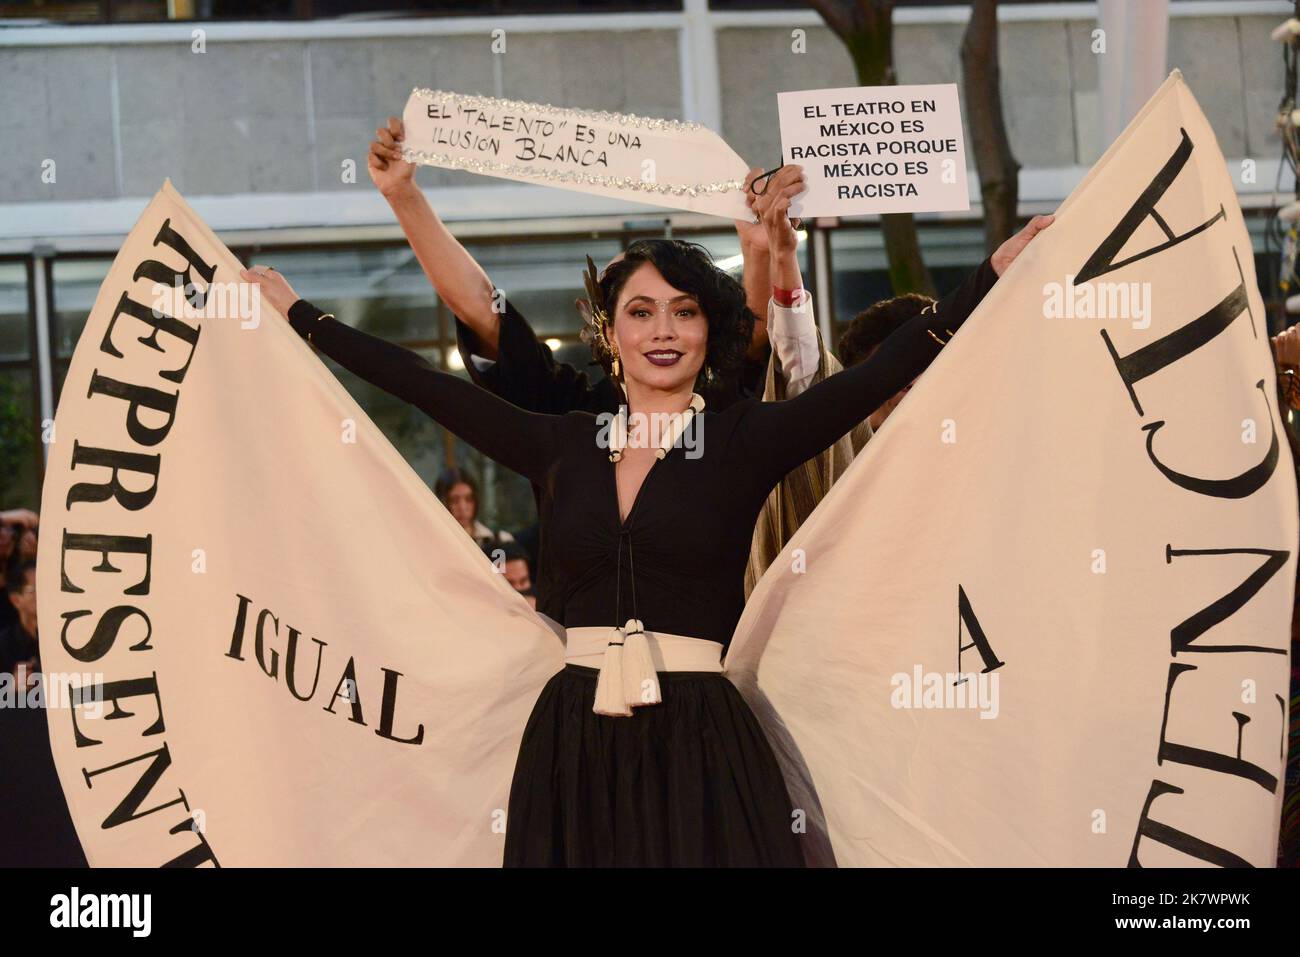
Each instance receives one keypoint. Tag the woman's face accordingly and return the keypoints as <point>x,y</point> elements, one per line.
<point>27,545</point>
<point>6,542</point>
<point>661,333</point>
<point>460,502</point>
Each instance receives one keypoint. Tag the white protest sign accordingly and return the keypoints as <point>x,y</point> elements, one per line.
<point>661,162</point>
<point>876,149</point>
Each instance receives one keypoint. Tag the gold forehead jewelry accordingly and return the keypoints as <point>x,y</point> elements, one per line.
<point>663,304</point>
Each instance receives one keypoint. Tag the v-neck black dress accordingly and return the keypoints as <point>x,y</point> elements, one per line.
<point>690,781</point>
<point>525,372</point>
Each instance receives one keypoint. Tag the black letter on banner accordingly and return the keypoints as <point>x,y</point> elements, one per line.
<point>137,395</point>
<point>1178,840</point>
<point>195,855</point>
<point>259,645</point>
<point>1281,703</point>
<point>115,690</point>
<point>389,706</point>
<point>1239,486</point>
<point>160,273</point>
<point>105,633</point>
<point>1169,348</point>
<point>160,323</point>
<point>965,613</point>
<point>1183,635</point>
<point>115,460</point>
<point>350,679</point>
<point>1102,260</point>
<point>291,655</point>
<point>104,544</point>
<point>237,639</point>
<point>129,808</point>
<point>177,242</point>
<point>1210,760</point>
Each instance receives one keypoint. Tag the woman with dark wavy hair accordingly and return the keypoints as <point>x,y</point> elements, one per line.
<point>640,751</point>
<point>720,298</point>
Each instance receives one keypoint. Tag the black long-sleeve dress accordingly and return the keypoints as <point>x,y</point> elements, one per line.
<point>690,781</point>
<point>525,373</point>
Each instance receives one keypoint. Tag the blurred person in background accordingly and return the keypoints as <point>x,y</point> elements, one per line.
<point>18,644</point>
<point>40,832</point>
<point>26,548</point>
<point>458,491</point>
<point>8,541</point>
<point>513,562</point>
<point>14,524</point>
<point>869,329</point>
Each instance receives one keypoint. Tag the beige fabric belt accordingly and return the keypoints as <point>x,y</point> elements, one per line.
<point>586,646</point>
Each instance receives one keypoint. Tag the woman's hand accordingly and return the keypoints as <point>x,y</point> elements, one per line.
<point>1006,254</point>
<point>1286,346</point>
<point>388,171</point>
<point>272,287</point>
<point>773,209</point>
<point>753,236</point>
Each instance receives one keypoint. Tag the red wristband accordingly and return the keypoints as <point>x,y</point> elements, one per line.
<point>787,297</point>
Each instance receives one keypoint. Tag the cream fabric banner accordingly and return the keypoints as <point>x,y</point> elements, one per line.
<point>1093,518</point>
<point>304,660</point>
<point>643,159</point>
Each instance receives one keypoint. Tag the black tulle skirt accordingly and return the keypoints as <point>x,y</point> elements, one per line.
<point>688,782</point>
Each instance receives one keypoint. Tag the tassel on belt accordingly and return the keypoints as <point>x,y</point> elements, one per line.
<point>630,657</point>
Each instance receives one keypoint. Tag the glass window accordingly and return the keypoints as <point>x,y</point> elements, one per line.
<point>543,279</point>
<point>380,289</point>
<point>860,269</point>
<point>15,314</point>
<point>76,284</point>
<point>20,449</point>
<point>725,247</point>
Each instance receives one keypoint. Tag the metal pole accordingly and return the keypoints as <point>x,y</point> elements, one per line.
<point>44,366</point>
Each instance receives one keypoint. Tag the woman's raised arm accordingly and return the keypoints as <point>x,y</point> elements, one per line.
<point>456,276</point>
